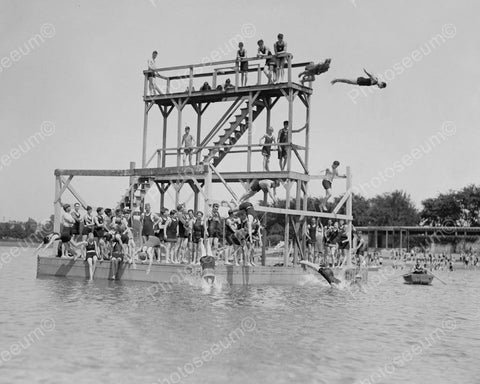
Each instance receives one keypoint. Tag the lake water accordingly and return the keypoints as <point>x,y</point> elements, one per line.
<point>61,330</point>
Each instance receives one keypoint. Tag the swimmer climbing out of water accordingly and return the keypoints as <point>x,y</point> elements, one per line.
<point>326,272</point>
<point>362,81</point>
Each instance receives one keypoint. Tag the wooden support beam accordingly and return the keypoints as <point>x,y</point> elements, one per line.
<point>286,249</point>
<point>302,213</point>
<point>349,212</point>
<point>250,122</point>
<point>57,205</point>
<point>64,187</point>
<point>145,135</point>
<point>75,194</point>
<point>304,166</point>
<point>224,182</point>
<point>342,201</point>
<point>264,224</point>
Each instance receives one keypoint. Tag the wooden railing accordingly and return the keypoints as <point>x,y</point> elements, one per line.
<point>212,70</point>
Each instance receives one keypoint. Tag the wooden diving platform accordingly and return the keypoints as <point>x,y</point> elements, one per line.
<point>215,96</point>
<point>198,172</point>
<point>183,274</point>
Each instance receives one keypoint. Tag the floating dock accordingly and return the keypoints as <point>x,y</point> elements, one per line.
<point>182,273</point>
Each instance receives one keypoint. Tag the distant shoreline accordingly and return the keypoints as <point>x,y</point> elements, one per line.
<point>16,243</point>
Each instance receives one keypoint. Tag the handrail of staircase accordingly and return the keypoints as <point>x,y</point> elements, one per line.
<point>226,116</point>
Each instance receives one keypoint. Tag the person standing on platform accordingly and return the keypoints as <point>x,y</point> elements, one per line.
<point>214,229</point>
<point>282,149</point>
<point>172,234</point>
<point>188,142</point>
<point>152,66</point>
<point>280,49</point>
<point>242,63</point>
<point>77,216</point>
<point>148,220</point>
<point>330,174</point>
<point>268,138</point>
<point>269,67</point>
<point>283,139</point>
<point>311,239</point>
<point>198,234</point>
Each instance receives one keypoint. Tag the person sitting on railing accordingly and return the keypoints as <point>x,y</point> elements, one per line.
<point>228,85</point>
<point>313,69</point>
<point>242,63</point>
<point>269,67</point>
<point>268,138</point>
<point>151,75</point>
<point>188,142</point>
<point>280,48</point>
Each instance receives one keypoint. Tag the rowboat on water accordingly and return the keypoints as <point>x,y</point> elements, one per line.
<point>420,277</point>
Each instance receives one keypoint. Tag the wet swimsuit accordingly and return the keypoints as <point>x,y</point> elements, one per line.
<point>198,231</point>
<point>88,224</point>
<point>90,248</point>
<point>117,252</point>
<point>243,64</point>
<point>172,230</point>
<point>98,230</point>
<point>267,51</point>
<point>214,229</point>
<point>364,81</point>
<point>267,148</point>
<point>147,229</point>
<point>230,233</point>
<point>248,208</point>
<point>283,138</point>
<point>312,232</point>
<point>208,266</point>
<point>255,186</point>
<point>76,226</point>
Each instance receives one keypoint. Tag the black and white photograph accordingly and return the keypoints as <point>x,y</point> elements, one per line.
<point>238,192</point>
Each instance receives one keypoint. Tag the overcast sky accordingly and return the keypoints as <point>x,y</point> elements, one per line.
<point>79,87</point>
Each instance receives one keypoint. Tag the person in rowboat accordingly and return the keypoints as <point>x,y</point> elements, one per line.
<point>326,272</point>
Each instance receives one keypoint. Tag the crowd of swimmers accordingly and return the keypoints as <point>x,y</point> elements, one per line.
<point>179,236</point>
<point>274,69</point>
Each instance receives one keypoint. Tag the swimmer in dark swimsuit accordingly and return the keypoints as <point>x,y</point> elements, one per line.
<point>362,81</point>
<point>313,69</point>
<point>266,185</point>
<point>267,139</point>
<point>326,272</point>
<point>280,49</point>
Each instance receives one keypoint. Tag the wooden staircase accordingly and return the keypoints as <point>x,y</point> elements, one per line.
<point>232,134</point>
<point>140,188</point>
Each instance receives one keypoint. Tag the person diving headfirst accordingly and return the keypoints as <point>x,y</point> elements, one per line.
<point>207,261</point>
<point>326,272</point>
